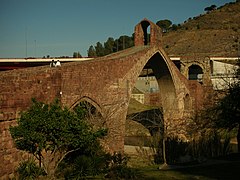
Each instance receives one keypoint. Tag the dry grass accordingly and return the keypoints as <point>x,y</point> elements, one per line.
<point>213,34</point>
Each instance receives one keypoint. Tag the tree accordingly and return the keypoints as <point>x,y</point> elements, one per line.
<point>123,42</point>
<point>228,111</point>
<point>164,24</point>
<point>174,27</point>
<point>99,49</point>
<point>50,132</point>
<point>210,8</point>
<point>111,46</point>
<point>77,55</point>
<point>108,46</point>
<point>225,113</point>
<point>92,52</point>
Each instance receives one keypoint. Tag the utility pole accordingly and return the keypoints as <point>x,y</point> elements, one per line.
<point>35,44</point>
<point>26,40</point>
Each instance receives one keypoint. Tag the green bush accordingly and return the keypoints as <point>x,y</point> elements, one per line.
<point>175,149</point>
<point>79,164</point>
<point>118,168</point>
<point>29,170</point>
<point>211,144</point>
<point>84,166</point>
<point>122,172</point>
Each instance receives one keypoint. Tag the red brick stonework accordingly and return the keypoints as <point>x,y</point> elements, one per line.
<point>106,82</point>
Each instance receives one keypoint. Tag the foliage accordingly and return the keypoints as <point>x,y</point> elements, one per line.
<point>210,8</point>
<point>77,55</point>
<point>28,170</point>
<point>209,144</point>
<point>79,166</point>
<point>164,24</point>
<point>90,162</point>
<point>225,113</point>
<point>223,110</point>
<point>110,46</point>
<point>174,149</point>
<point>92,52</point>
<point>83,165</point>
<point>228,110</point>
<point>175,27</point>
<point>118,168</point>
<point>124,42</point>
<point>99,49</point>
<point>50,132</point>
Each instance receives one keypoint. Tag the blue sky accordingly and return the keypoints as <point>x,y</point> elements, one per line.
<point>60,27</point>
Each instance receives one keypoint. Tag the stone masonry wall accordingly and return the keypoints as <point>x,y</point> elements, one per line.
<point>17,87</point>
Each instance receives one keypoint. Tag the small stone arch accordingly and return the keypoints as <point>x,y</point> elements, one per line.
<point>89,100</point>
<point>94,112</point>
<point>141,36</point>
<point>195,72</point>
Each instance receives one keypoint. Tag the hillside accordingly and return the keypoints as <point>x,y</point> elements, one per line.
<point>136,107</point>
<point>216,33</point>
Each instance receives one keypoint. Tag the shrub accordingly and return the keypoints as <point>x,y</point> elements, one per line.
<point>175,148</point>
<point>80,164</point>
<point>29,170</point>
<point>209,145</point>
<point>122,172</point>
<point>118,168</point>
<point>84,166</point>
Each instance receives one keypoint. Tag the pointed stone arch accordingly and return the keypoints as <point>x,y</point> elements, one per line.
<point>165,76</point>
<point>93,110</point>
<point>88,100</point>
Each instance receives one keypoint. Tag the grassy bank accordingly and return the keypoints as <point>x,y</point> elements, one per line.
<point>220,168</point>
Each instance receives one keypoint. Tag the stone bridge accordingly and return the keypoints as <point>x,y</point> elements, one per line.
<point>106,83</point>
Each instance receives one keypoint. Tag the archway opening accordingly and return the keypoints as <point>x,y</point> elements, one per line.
<point>195,72</point>
<point>156,87</point>
<point>146,32</point>
<point>89,111</point>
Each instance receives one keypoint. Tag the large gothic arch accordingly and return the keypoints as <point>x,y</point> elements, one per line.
<point>164,75</point>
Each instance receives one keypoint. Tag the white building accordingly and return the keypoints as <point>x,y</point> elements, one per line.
<point>223,73</point>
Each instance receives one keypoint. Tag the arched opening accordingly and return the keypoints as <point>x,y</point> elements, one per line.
<point>146,32</point>
<point>90,111</point>
<point>156,85</point>
<point>195,72</point>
